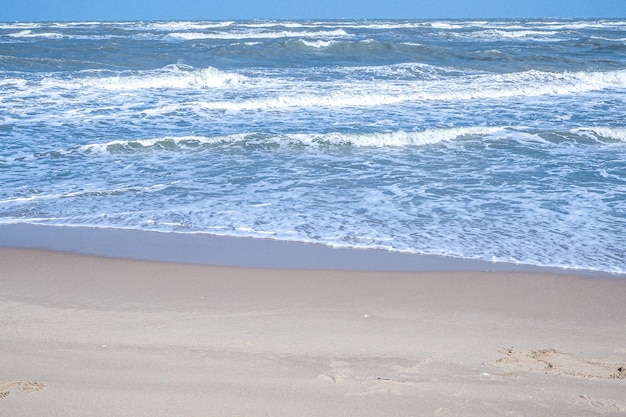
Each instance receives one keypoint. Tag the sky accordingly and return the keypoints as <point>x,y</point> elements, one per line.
<point>90,10</point>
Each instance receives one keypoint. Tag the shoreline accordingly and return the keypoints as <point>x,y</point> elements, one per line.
<point>206,249</point>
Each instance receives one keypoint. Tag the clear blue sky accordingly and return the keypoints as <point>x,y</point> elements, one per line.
<point>42,10</point>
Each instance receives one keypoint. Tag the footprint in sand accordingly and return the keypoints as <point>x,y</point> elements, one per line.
<point>555,362</point>
<point>7,387</point>
<point>602,403</point>
<point>376,375</point>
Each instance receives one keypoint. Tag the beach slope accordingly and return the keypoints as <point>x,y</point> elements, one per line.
<point>85,335</point>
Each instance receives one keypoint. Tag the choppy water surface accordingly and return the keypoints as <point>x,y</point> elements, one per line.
<point>495,140</point>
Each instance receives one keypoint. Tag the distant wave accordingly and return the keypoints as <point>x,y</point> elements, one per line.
<point>395,85</point>
<point>184,25</point>
<point>487,86</point>
<point>31,34</point>
<point>172,76</point>
<point>318,44</point>
<point>258,35</point>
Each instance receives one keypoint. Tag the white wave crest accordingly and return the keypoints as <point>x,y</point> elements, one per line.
<point>13,82</point>
<point>165,143</point>
<point>425,137</point>
<point>31,34</point>
<point>20,25</point>
<point>445,25</point>
<point>260,91</point>
<point>184,25</point>
<point>536,83</point>
<point>610,133</point>
<point>258,35</point>
<point>471,87</point>
<point>173,77</point>
<point>375,139</point>
<point>523,33</point>
<point>318,44</point>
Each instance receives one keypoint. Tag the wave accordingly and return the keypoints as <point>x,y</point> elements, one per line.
<point>268,141</point>
<point>523,33</point>
<point>350,87</point>
<point>537,83</point>
<point>85,193</point>
<point>31,34</point>
<point>272,141</point>
<point>318,44</point>
<point>258,35</point>
<point>229,29</point>
<point>21,25</point>
<point>171,77</point>
<point>530,24</point>
<point>347,87</point>
<point>184,25</point>
<point>13,82</point>
<point>578,25</point>
<point>473,87</point>
<point>509,34</point>
<point>603,134</point>
<point>400,138</point>
<point>56,35</point>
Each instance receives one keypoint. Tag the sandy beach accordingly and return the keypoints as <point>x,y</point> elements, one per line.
<point>86,335</point>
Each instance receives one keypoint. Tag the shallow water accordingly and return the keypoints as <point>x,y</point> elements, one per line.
<point>493,140</point>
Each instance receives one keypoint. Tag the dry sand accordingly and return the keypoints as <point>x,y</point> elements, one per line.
<point>94,336</point>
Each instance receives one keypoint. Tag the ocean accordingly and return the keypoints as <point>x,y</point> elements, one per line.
<point>497,140</point>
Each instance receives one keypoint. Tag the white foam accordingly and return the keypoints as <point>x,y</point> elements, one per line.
<point>376,139</point>
<point>86,192</point>
<point>509,33</point>
<point>13,82</point>
<point>611,133</point>
<point>580,25</point>
<point>523,33</point>
<point>346,88</point>
<point>417,83</point>
<point>318,44</point>
<point>335,99</point>
<point>377,25</point>
<point>31,34</point>
<point>258,35</point>
<point>20,25</point>
<point>185,25</point>
<point>398,138</point>
<point>445,25</point>
<point>471,87</point>
<point>173,77</point>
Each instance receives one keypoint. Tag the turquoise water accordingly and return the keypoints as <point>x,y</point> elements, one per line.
<point>493,140</point>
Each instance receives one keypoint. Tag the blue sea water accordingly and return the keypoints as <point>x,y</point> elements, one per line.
<point>499,140</point>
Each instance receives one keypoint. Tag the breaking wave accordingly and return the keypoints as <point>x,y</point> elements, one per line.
<point>170,77</point>
<point>258,35</point>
